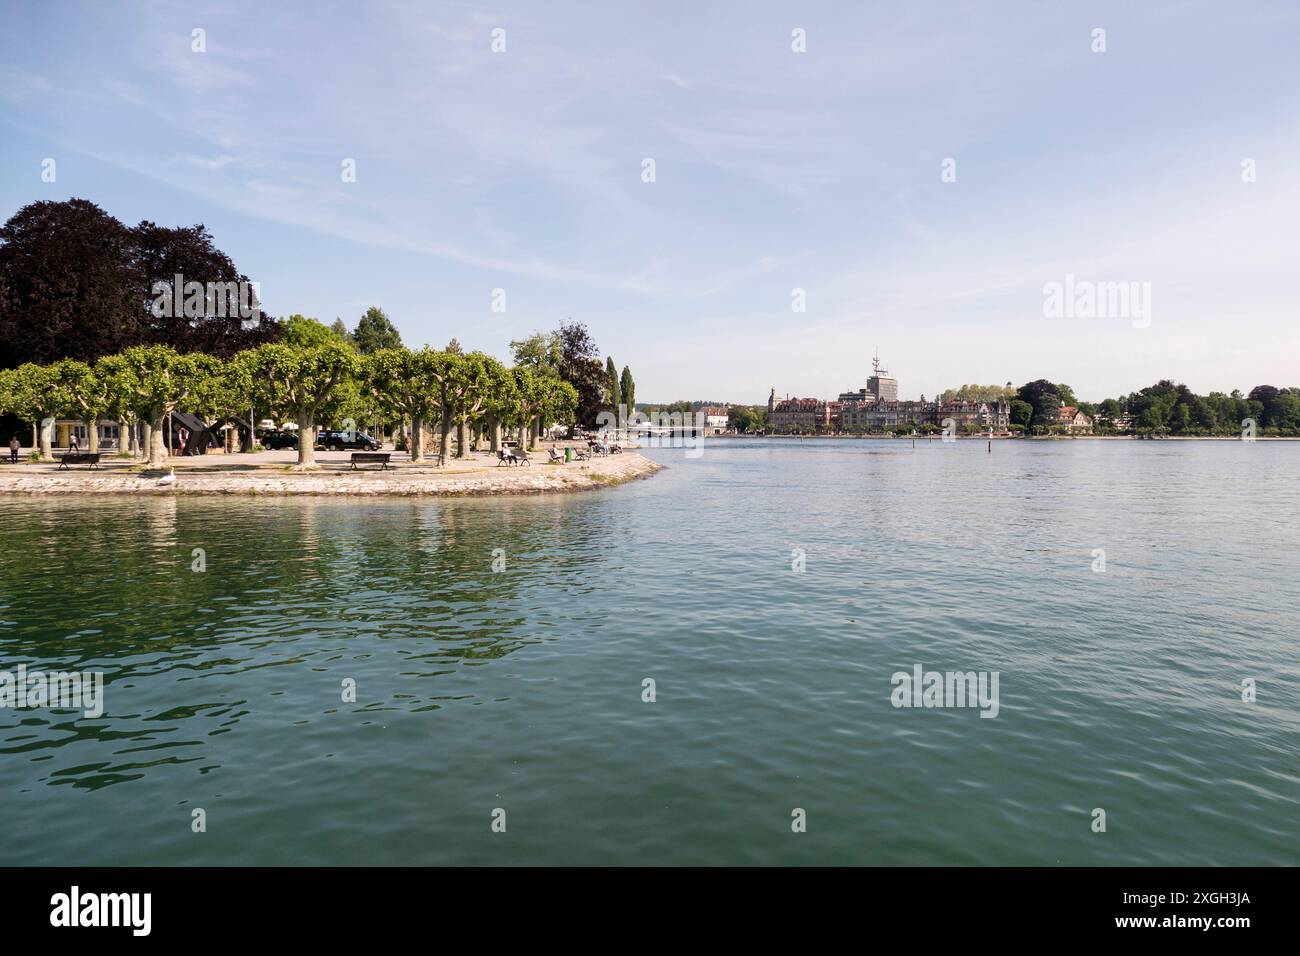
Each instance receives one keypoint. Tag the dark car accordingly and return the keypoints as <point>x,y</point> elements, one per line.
<point>278,440</point>
<point>339,441</point>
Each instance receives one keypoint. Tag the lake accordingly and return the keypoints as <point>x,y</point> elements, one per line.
<point>770,589</point>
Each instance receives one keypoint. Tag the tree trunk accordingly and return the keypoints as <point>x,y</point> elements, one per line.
<point>444,440</point>
<point>306,441</point>
<point>146,439</point>
<point>123,437</point>
<point>47,440</point>
<point>462,439</point>
<point>157,447</point>
<point>92,437</point>
<point>534,433</point>
<point>415,443</point>
<point>494,427</point>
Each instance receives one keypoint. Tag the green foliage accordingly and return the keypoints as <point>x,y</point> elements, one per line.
<point>612,387</point>
<point>744,419</point>
<point>77,281</point>
<point>627,389</point>
<point>1045,400</point>
<point>979,393</point>
<point>540,351</point>
<point>308,383</point>
<point>375,331</point>
<point>303,332</point>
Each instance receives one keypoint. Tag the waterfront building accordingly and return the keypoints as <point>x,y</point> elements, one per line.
<point>1075,421</point>
<point>715,419</point>
<point>975,416</point>
<point>877,408</point>
<point>801,413</point>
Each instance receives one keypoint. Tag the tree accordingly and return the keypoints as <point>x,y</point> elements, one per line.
<point>561,401</point>
<point>303,332</point>
<point>155,380</point>
<point>1022,413</point>
<point>467,390</point>
<point>406,384</point>
<point>308,383</point>
<point>579,367</point>
<point>540,351</point>
<point>341,330</point>
<point>740,419</point>
<point>374,331</point>
<point>539,398</point>
<point>1046,399</point>
<point>220,313</point>
<point>628,391</point>
<point>62,263</point>
<point>32,393</point>
<point>83,394</point>
<point>611,377</point>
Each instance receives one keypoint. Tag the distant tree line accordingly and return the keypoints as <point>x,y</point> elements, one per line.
<point>1164,408</point>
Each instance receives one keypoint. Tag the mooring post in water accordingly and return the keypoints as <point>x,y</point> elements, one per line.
<point>990,446</point>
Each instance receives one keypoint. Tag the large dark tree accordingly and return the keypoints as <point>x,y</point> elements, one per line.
<point>71,285</point>
<point>580,366</point>
<point>77,283</point>
<point>1045,398</point>
<point>221,328</point>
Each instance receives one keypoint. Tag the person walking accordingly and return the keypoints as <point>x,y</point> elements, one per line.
<point>74,444</point>
<point>184,437</point>
<point>13,450</point>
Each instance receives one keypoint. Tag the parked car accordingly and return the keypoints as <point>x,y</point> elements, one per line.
<point>339,441</point>
<point>278,440</point>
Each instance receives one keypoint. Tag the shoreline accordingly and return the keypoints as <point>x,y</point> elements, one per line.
<point>471,479</point>
<point>1014,437</point>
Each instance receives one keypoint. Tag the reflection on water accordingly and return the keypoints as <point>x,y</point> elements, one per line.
<point>476,688</point>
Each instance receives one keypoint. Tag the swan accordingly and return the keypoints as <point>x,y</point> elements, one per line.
<point>169,478</point>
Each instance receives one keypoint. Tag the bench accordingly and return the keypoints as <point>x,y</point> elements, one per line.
<point>371,457</point>
<point>79,458</point>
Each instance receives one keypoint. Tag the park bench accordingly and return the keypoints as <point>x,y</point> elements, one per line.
<point>371,457</point>
<point>79,458</point>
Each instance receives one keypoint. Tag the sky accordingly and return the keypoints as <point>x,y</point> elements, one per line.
<point>922,171</point>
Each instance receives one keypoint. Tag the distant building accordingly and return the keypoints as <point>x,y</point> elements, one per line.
<point>877,408</point>
<point>802,413</point>
<point>881,385</point>
<point>716,418</point>
<point>1075,421</point>
<point>975,416</point>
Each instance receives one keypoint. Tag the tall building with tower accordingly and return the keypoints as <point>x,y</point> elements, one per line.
<point>881,385</point>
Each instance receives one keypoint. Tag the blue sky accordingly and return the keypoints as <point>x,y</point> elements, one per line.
<point>775,170</point>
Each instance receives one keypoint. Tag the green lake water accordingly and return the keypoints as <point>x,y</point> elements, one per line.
<point>522,688</point>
